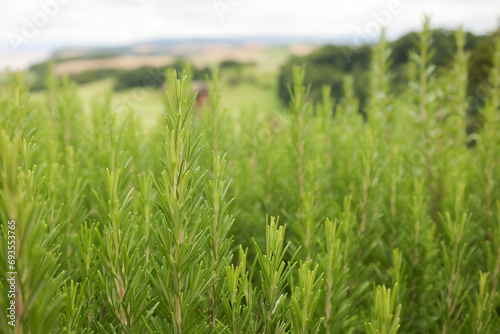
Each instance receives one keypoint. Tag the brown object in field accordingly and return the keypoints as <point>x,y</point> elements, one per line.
<point>203,97</point>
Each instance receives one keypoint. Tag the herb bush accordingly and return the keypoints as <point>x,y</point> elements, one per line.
<point>389,222</point>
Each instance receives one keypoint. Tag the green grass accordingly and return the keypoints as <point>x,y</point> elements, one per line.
<point>257,91</point>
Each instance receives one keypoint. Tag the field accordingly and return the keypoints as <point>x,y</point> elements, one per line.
<point>140,211</point>
<point>256,89</point>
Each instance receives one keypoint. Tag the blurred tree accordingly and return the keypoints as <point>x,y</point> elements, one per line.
<point>329,65</point>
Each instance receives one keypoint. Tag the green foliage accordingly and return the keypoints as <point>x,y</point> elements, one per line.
<point>385,313</point>
<point>329,64</point>
<point>144,76</point>
<point>305,300</point>
<point>338,313</point>
<point>275,274</point>
<point>121,230</point>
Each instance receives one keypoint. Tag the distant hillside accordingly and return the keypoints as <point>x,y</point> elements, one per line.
<point>127,64</point>
<point>330,64</point>
<point>180,46</point>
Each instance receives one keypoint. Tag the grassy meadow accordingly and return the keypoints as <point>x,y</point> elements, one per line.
<point>255,88</point>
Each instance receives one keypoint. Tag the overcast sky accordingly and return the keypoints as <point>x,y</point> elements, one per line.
<point>29,28</point>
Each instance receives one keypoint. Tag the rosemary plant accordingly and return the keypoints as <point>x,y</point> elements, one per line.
<point>109,226</point>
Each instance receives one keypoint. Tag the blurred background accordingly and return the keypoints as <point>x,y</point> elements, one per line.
<point>126,45</point>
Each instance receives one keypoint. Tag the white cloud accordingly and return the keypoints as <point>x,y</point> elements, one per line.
<point>116,22</point>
